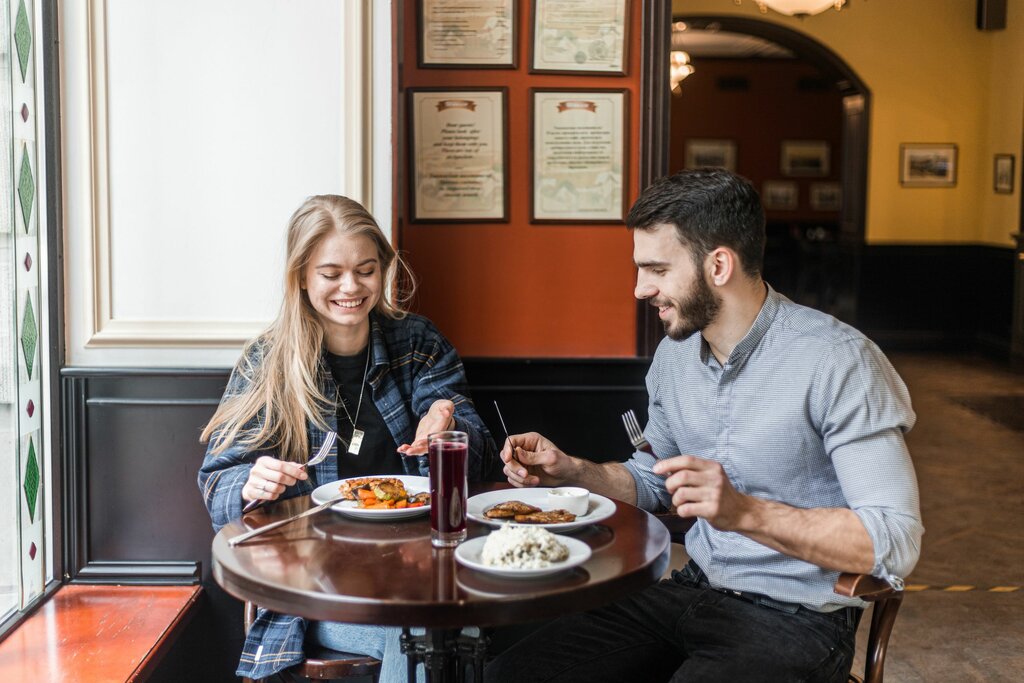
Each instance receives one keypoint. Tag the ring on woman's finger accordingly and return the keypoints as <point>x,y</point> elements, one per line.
<point>263,487</point>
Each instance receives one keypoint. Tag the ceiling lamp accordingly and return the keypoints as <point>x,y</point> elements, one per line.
<point>679,66</point>
<point>798,8</point>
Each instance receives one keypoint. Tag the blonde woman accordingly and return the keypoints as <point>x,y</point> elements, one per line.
<point>344,356</point>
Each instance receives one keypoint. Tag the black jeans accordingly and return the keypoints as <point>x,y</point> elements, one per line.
<point>683,630</point>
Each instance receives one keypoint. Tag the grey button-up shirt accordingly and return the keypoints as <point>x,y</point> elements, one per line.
<point>806,411</point>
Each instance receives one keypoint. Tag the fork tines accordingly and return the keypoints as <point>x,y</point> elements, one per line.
<point>324,448</point>
<point>636,435</point>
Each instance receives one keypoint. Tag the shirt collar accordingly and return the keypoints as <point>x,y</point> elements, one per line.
<point>762,322</point>
<point>760,327</point>
<point>378,349</point>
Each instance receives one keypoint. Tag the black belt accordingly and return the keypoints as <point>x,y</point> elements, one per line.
<point>849,614</point>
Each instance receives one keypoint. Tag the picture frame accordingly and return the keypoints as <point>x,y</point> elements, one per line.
<point>926,164</point>
<point>780,195</point>
<point>468,34</point>
<point>1003,173</point>
<point>710,153</point>
<point>805,158</point>
<point>826,196</point>
<point>566,38</point>
<point>579,146</point>
<point>458,142</point>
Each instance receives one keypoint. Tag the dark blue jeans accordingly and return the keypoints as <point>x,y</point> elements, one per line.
<point>683,630</point>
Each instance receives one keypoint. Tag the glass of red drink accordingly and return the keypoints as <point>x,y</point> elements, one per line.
<point>448,453</point>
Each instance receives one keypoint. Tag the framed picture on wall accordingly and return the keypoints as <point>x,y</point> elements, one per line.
<point>458,162</point>
<point>805,158</point>
<point>570,36</point>
<point>924,164</point>
<point>779,195</point>
<point>578,155</point>
<point>467,34</point>
<point>1003,173</point>
<point>708,153</point>
<point>826,196</point>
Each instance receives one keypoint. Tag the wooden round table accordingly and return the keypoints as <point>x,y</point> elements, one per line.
<point>329,567</point>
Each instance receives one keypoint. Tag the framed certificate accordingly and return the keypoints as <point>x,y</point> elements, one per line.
<point>570,36</point>
<point>578,155</point>
<point>467,34</point>
<point>457,141</point>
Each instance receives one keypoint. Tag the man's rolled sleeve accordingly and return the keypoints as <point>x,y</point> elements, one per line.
<point>651,494</point>
<point>896,538</point>
<point>868,411</point>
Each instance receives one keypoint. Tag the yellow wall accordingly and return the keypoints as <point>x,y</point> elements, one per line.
<point>933,77</point>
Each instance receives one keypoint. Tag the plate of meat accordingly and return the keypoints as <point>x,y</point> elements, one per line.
<point>531,506</point>
<point>380,497</point>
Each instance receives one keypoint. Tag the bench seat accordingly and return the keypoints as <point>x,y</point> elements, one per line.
<point>97,633</point>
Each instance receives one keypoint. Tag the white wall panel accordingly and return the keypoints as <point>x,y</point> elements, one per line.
<point>192,130</point>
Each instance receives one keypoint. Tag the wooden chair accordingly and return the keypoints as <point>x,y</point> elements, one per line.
<point>323,664</point>
<point>885,604</point>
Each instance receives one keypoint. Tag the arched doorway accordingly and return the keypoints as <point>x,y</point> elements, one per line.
<point>840,267</point>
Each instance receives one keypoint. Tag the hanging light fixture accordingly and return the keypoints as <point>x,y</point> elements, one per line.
<point>797,8</point>
<point>679,68</point>
<point>679,61</point>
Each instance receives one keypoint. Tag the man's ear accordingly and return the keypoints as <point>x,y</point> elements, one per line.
<point>721,264</point>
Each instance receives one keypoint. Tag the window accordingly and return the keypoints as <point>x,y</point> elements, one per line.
<point>23,309</point>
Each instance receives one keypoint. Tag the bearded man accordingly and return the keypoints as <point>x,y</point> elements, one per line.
<point>779,428</point>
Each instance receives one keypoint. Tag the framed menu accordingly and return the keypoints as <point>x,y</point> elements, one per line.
<point>579,153</point>
<point>468,34</point>
<point>458,160</point>
<point>570,36</point>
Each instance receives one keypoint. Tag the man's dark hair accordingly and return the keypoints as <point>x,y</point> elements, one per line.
<point>709,208</point>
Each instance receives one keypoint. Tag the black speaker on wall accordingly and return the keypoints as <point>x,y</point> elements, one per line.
<point>991,15</point>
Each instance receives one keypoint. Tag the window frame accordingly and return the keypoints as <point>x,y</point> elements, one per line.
<point>47,58</point>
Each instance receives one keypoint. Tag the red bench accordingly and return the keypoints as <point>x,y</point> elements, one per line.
<point>97,633</point>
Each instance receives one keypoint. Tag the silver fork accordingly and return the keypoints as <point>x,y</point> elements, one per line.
<point>636,435</point>
<point>320,456</point>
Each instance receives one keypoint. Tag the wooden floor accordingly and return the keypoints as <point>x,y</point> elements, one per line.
<point>965,621</point>
<point>90,634</point>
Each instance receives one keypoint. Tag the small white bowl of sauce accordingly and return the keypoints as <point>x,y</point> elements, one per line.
<point>572,498</point>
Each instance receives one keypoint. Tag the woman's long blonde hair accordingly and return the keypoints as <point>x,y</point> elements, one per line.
<point>281,367</point>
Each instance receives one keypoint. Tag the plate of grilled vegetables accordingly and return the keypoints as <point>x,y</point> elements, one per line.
<point>531,506</point>
<point>380,497</point>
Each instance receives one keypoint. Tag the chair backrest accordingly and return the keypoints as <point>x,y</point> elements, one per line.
<point>323,664</point>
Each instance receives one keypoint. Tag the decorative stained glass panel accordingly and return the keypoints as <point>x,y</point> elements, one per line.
<point>29,335</point>
<point>31,481</point>
<point>26,187</point>
<point>23,38</point>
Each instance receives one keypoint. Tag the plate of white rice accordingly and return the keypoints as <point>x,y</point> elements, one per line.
<point>522,551</point>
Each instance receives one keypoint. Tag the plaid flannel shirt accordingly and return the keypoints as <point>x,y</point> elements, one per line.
<point>412,365</point>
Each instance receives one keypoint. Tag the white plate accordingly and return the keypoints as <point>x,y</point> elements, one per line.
<point>598,509</point>
<point>468,555</point>
<point>350,508</point>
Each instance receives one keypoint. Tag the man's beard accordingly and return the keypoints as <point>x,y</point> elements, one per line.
<point>695,312</point>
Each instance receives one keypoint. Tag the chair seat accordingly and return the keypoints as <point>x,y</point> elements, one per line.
<point>322,663</point>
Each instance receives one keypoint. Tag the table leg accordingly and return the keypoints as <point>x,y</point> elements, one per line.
<point>445,654</point>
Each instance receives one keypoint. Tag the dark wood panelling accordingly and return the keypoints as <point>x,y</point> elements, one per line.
<point>576,403</point>
<point>133,511</point>
<point>937,296</point>
<point>132,453</point>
